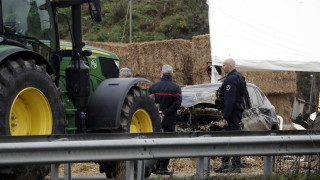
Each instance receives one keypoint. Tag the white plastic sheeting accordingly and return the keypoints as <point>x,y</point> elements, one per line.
<point>266,34</point>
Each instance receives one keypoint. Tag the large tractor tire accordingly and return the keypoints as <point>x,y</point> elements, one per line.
<point>139,114</point>
<point>30,105</point>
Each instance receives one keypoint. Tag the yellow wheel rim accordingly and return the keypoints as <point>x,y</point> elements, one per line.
<point>141,122</point>
<point>30,113</point>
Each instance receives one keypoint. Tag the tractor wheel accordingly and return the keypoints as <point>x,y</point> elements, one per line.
<point>30,105</point>
<point>139,114</point>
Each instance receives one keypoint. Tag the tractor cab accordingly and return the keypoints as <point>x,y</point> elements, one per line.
<point>29,24</point>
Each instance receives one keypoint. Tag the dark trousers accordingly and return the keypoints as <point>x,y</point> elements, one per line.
<point>233,126</point>
<point>236,161</point>
<point>163,163</point>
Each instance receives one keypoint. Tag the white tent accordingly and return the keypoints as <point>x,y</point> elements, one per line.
<point>266,34</point>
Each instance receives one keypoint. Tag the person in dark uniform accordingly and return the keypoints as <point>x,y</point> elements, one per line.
<point>168,96</point>
<point>232,110</point>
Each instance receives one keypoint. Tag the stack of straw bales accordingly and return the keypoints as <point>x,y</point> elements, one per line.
<point>201,54</point>
<point>188,59</point>
<point>146,59</point>
<point>273,82</point>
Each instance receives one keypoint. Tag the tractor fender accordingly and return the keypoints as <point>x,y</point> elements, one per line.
<point>24,53</point>
<point>104,108</point>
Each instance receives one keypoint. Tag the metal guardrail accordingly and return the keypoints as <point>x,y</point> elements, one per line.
<point>138,149</point>
<point>117,136</point>
<point>65,151</point>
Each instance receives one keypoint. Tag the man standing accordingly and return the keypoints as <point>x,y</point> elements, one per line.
<point>168,96</point>
<point>125,73</point>
<point>231,91</point>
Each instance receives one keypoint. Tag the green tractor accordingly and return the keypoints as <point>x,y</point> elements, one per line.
<point>52,87</point>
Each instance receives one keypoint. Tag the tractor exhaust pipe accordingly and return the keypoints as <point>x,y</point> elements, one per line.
<point>77,73</point>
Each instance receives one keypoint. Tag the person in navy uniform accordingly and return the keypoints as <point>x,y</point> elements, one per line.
<point>232,110</point>
<point>168,96</point>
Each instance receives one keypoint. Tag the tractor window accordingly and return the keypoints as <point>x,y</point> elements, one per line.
<point>29,22</point>
<point>109,68</point>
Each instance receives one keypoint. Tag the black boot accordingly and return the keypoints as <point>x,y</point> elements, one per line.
<point>221,168</point>
<point>163,164</point>
<point>224,164</point>
<point>232,169</point>
<point>155,171</point>
<point>235,167</point>
<point>165,172</point>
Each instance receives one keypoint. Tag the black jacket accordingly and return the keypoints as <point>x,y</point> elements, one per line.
<point>168,96</point>
<point>231,92</point>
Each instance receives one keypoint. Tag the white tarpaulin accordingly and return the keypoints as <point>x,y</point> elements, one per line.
<point>266,34</point>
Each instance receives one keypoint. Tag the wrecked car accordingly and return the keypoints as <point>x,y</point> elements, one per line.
<point>199,112</point>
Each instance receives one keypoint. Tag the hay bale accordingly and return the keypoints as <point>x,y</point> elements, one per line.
<point>273,82</point>
<point>152,55</point>
<point>283,105</point>
<point>201,54</point>
<point>146,59</point>
<point>117,48</point>
<point>186,165</point>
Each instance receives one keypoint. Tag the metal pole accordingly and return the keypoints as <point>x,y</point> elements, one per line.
<point>54,172</point>
<point>267,167</point>
<point>311,93</point>
<point>130,170</point>
<point>130,21</point>
<point>203,168</point>
<point>268,164</point>
<point>67,171</point>
<point>318,110</point>
<point>140,170</point>
<point>314,92</point>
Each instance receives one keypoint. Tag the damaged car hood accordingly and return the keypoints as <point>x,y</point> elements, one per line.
<point>199,94</point>
<point>261,115</point>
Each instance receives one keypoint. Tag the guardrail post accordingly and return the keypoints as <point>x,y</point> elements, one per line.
<point>130,170</point>
<point>67,171</point>
<point>140,170</point>
<point>268,162</point>
<point>54,174</point>
<point>203,168</point>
